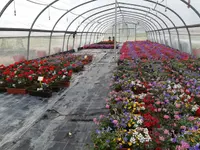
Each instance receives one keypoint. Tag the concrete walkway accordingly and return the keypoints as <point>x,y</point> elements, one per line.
<point>63,122</point>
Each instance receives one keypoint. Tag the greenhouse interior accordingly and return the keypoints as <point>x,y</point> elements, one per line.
<point>100,75</point>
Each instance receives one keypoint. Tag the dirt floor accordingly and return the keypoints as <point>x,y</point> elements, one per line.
<point>31,123</point>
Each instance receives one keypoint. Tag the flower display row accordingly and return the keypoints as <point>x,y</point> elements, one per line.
<point>150,50</point>
<point>154,103</point>
<point>41,77</point>
<point>99,46</point>
<point>106,42</point>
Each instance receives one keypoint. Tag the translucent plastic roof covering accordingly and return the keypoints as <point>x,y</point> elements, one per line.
<point>94,15</point>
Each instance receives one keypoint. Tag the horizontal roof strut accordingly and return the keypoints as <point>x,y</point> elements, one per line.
<point>38,30</point>
<point>181,27</point>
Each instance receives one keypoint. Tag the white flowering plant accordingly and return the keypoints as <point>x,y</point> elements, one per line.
<point>137,138</point>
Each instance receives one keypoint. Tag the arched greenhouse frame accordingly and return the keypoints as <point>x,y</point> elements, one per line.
<point>57,59</point>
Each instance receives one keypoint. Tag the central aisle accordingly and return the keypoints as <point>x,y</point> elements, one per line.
<point>73,113</point>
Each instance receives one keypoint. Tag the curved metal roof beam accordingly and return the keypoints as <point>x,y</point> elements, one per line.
<point>108,10</point>
<point>186,3</point>
<point>132,12</point>
<point>29,34</point>
<point>96,36</point>
<point>133,15</point>
<point>191,6</point>
<point>159,13</point>
<point>102,12</point>
<point>99,18</point>
<point>190,42</point>
<point>154,20</point>
<point>62,17</point>
<point>80,16</point>
<point>107,21</point>
<point>103,17</point>
<point>111,22</point>
<point>177,32</point>
<point>104,28</point>
<point>138,15</point>
<point>5,7</point>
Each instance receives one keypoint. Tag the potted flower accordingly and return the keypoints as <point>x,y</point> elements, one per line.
<point>3,85</point>
<point>17,84</point>
<point>77,67</point>
<point>40,89</point>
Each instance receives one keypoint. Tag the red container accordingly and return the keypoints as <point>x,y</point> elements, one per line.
<point>67,84</point>
<point>16,91</point>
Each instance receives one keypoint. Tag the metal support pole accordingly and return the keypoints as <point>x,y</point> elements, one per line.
<point>90,42</point>
<point>115,45</point>
<point>68,42</point>
<point>74,36</point>
<point>112,30</point>
<point>119,35</point>
<point>135,32</point>
<point>128,33</point>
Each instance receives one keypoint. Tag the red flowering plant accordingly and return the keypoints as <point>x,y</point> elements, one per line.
<point>17,76</point>
<point>2,68</point>
<point>77,66</point>
<point>61,77</point>
<point>150,121</point>
<point>2,78</point>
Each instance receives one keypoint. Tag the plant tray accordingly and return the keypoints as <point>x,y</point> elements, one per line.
<point>44,94</point>
<point>16,91</point>
<point>56,88</point>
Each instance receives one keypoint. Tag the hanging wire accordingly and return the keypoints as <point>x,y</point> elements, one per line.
<point>189,3</point>
<point>15,12</point>
<point>49,13</point>
<point>156,5</point>
<point>40,3</point>
<point>166,6</point>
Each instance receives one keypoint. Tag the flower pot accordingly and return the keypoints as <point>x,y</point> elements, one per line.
<point>78,69</point>
<point>139,90</point>
<point>65,84</point>
<point>16,91</point>
<point>44,94</point>
<point>56,88</point>
<point>3,89</point>
<point>85,62</point>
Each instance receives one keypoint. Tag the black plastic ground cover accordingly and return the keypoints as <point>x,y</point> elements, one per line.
<point>64,121</point>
